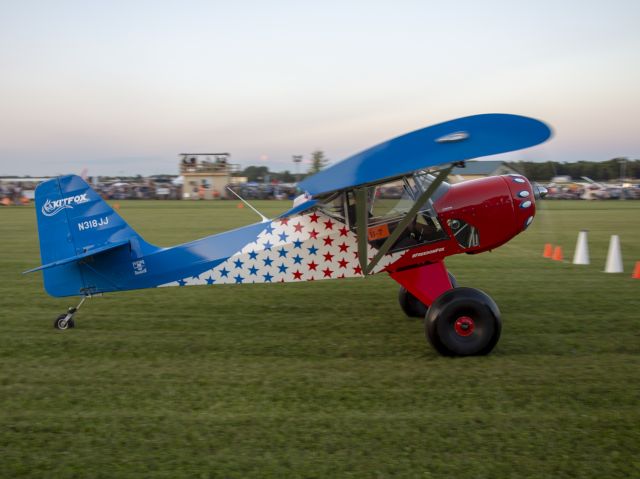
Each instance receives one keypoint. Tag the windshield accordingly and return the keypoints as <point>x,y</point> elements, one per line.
<point>423,180</point>
<point>395,199</point>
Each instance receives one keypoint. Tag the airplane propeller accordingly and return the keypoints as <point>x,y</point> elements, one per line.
<point>539,191</point>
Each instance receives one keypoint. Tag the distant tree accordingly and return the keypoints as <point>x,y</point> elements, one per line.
<point>255,173</point>
<point>261,173</point>
<point>536,171</point>
<point>318,161</point>
<point>612,169</point>
<point>286,177</point>
<point>633,169</point>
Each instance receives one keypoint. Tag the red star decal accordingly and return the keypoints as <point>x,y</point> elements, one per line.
<point>355,254</point>
<point>314,217</point>
<point>357,270</point>
<point>312,265</point>
<point>341,276</point>
<point>343,263</point>
<point>328,256</point>
<point>328,241</point>
<point>298,227</point>
<point>313,234</point>
<point>284,221</point>
<point>343,247</point>
<point>343,231</point>
<point>327,273</point>
<point>297,275</point>
<point>328,224</point>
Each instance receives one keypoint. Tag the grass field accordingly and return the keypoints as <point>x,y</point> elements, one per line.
<point>325,379</point>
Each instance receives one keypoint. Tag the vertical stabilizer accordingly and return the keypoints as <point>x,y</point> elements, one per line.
<point>73,221</point>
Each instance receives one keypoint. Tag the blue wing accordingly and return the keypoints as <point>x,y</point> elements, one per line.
<point>451,141</point>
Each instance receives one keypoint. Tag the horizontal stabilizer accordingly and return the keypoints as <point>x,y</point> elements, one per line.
<point>86,254</point>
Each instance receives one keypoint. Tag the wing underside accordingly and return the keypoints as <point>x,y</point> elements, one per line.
<point>449,142</point>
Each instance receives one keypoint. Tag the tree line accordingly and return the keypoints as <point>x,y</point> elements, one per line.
<point>609,170</point>
<point>613,169</point>
<point>262,174</point>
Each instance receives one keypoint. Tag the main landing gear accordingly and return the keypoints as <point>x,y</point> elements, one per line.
<point>463,322</point>
<point>458,321</point>
<point>412,306</point>
<point>65,320</point>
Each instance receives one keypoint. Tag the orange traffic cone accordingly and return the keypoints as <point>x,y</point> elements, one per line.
<point>557,253</point>
<point>548,251</point>
<point>240,206</point>
<point>636,271</point>
<point>116,206</point>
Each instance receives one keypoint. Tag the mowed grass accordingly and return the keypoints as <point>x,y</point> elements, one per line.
<point>325,379</point>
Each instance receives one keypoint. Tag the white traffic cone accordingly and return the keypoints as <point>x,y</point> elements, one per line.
<point>581,255</point>
<point>614,257</point>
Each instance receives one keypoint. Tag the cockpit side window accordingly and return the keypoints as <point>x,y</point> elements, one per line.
<point>396,199</point>
<point>389,203</point>
<point>333,206</point>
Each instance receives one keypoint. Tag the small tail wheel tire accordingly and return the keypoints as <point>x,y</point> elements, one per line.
<point>60,323</point>
<point>412,306</point>
<point>463,322</point>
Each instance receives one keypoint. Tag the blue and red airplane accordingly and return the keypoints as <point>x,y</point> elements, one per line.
<point>339,228</point>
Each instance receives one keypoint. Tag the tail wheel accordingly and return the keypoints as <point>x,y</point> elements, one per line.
<point>412,306</point>
<point>61,324</point>
<point>463,322</point>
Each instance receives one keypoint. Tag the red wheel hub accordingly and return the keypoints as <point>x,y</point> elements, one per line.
<point>464,326</point>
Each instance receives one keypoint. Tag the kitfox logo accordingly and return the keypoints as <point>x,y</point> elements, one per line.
<point>54,207</point>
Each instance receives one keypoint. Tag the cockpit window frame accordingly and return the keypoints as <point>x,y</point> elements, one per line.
<point>411,188</point>
<point>323,202</point>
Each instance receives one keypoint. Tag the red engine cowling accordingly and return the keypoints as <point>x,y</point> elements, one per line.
<point>478,215</point>
<point>486,213</point>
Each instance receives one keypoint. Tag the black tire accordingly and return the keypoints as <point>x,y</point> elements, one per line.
<point>463,322</point>
<point>412,306</point>
<point>58,323</point>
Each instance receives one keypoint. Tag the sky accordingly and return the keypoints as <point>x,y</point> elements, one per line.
<point>123,87</point>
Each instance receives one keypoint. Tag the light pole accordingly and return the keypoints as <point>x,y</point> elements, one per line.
<point>297,159</point>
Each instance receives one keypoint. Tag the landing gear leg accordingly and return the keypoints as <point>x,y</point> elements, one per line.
<point>65,320</point>
<point>423,285</point>
<point>412,306</point>
<point>459,321</point>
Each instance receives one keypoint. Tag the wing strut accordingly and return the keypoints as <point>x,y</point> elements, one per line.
<point>362,225</point>
<point>361,222</point>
